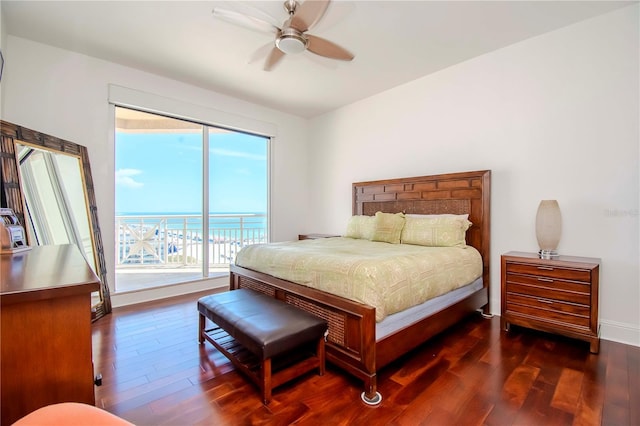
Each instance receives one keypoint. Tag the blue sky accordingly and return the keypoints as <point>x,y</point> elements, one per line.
<point>161,173</point>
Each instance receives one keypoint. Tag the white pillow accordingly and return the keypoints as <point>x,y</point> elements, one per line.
<point>361,227</point>
<point>444,230</point>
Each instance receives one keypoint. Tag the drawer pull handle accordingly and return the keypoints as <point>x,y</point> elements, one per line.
<point>546,280</point>
<point>545,268</point>
<point>548,302</point>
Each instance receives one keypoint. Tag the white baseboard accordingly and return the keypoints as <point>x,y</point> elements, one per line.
<point>148,295</point>
<point>620,332</point>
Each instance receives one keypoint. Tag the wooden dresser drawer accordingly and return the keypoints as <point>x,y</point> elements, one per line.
<point>553,295</point>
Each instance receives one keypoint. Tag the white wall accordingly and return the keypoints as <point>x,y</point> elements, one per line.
<point>64,94</point>
<point>553,117</point>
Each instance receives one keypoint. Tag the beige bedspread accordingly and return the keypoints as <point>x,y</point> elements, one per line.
<point>390,277</point>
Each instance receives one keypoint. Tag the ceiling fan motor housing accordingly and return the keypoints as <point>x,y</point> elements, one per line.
<point>291,41</point>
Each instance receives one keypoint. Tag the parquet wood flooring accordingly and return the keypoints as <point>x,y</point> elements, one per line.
<point>155,373</point>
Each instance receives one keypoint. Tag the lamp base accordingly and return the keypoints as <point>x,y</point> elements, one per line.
<point>548,254</point>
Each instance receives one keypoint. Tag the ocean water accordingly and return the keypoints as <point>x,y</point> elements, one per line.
<point>193,221</point>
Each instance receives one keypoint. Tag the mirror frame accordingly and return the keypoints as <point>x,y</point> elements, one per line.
<point>10,134</point>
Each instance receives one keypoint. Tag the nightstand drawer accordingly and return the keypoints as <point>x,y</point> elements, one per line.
<point>315,236</point>
<point>550,314</point>
<point>550,271</point>
<point>549,288</point>
<point>547,304</point>
<point>533,291</point>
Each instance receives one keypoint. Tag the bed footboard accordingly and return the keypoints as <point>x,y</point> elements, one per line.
<point>351,343</point>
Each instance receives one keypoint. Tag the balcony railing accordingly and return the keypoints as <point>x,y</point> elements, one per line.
<point>179,241</point>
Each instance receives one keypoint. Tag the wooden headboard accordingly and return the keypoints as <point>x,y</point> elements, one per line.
<point>456,193</point>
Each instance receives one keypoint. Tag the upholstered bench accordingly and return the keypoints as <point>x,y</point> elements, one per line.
<point>269,340</point>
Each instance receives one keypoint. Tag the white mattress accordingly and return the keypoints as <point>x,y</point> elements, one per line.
<point>409,316</point>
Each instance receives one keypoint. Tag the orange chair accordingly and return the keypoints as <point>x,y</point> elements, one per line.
<point>71,414</point>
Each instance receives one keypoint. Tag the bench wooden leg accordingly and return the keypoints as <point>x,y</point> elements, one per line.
<point>320,355</point>
<point>266,380</point>
<point>201,325</point>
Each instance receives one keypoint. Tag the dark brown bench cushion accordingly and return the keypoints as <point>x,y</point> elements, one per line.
<point>265,326</point>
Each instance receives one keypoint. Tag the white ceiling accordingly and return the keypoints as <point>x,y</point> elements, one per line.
<point>393,41</point>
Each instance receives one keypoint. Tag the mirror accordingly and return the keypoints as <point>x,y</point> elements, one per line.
<point>47,183</point>
<point>55,197</point>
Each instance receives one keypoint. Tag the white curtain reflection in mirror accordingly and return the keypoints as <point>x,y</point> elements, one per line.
<point>55,197</point>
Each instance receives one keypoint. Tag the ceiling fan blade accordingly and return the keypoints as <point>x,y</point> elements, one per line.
<point>328,49</point>
<point>251,9</point>
<point>321,61</point>
<point>336,13</point>
<point>308,14</point>
<point>246,21</point>
<point>274,57</point>
<point>261,52</point>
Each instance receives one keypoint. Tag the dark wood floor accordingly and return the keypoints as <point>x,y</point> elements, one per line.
<point>155,373</point>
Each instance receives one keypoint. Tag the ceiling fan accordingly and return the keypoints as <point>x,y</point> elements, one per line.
<point>291,37</point>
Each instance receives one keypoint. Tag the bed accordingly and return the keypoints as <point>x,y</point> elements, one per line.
<point>356,342</point>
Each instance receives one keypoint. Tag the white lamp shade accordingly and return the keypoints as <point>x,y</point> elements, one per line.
<point>548,226</point>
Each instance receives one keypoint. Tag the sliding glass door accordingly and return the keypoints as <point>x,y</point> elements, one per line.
<point>188,197</point>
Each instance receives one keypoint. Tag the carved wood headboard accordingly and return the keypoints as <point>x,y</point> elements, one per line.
<point>456,193</point>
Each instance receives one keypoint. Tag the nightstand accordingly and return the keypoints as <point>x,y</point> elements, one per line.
<point>557,295</point>
<point>315,236</point>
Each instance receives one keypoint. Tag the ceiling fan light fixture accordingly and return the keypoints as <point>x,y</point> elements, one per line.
<point>291,41</point>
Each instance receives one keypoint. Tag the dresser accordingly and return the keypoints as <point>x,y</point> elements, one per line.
<point>557,295</point>
<point>45,314</point>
